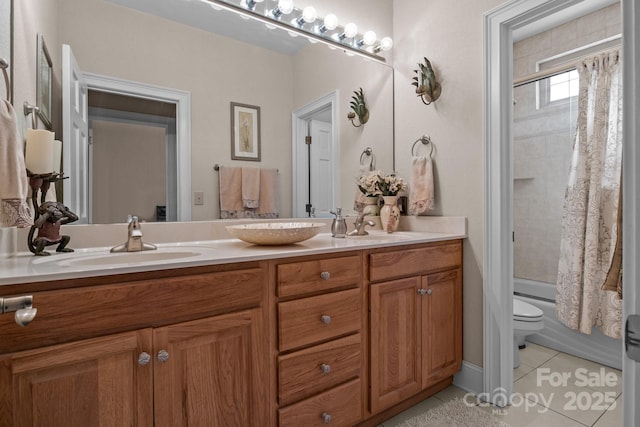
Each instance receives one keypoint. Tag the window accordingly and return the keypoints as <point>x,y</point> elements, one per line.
<point>563,86</point>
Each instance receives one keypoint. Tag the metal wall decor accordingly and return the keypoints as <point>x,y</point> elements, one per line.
<point>359,109</point>
<point>427,88</point>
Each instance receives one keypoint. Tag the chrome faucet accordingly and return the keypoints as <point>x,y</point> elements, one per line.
<point>134,240</point>
<point>360,224</point>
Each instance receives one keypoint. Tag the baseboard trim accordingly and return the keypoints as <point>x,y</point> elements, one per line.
<point>470,378</point>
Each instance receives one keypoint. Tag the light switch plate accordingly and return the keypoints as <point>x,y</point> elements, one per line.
<point>198,198</point>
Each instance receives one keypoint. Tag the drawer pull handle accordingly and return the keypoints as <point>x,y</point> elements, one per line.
<point>326,418</point>
<point>325,275</point>
<point>163,355</point>
<point>325,319</point>
<point>425,291</point>
<point>144,358</point>
<point>326,368</point>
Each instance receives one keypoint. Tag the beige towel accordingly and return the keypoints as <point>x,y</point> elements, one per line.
<point>14,184</point>
<point>230,191</point>
<point>269,194</point>
<point>421,196</point>
<point>251,187</point>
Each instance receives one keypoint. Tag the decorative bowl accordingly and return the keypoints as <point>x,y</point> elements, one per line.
<point>275,233</point>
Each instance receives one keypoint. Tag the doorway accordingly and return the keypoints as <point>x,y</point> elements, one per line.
<point>315,158</point>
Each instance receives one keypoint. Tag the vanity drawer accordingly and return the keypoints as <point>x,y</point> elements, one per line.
<point>307,277</point>
<point>309,320</point>
<point>411,262</point>
<point>307,372</point>
<point>338,407</point>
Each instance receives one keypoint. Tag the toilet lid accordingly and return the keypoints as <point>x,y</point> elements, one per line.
<point>525,311</point>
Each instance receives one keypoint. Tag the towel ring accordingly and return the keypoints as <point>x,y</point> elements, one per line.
<point>425,140</point>
<point>368,152</point>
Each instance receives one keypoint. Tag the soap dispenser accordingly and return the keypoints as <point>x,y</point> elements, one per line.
<point>339,225</point>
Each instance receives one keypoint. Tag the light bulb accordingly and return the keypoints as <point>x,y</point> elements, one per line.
<point>386,43</point>
<point>369,38</point>
<point>285,6</point>
<point>350,30</point>
<point>330,22</point>
<point>309,14</point>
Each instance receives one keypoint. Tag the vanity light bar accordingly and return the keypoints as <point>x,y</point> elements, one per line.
<point>292,28</point>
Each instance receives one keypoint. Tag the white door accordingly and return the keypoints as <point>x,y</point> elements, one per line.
<point>321,168</point>
<point>75,140</point>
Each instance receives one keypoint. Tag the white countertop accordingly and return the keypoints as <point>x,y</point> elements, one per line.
<point>24,267</point>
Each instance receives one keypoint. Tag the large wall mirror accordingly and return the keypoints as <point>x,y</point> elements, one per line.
<point>177,45</point>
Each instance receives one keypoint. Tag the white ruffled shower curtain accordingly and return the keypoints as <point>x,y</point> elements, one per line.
<point>589,217</point>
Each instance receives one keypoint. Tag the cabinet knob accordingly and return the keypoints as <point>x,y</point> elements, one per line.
<point>326,418</point>
<point>422,291</point>
<point>144,358</point>
<point>326,368</point>
<point>325,319</point>
<point>325,275</point>
<point>163,355</point>
<point>429,291</point>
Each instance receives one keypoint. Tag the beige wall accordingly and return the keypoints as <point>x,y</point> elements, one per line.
<point>450,35</point>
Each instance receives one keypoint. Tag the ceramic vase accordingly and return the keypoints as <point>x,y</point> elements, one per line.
<point>390,214</point>
<point>371,207</point>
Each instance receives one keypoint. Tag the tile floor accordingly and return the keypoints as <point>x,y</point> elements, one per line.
<point>550,389</point>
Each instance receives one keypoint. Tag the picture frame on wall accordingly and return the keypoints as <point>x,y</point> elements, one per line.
<point>43,82</point>
<point>245,132</point>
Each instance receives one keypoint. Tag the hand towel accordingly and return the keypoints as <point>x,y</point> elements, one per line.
<point>14,184</point>
<point>421,195</point>
<point>269,194</point>
<point>230,192</point>
<point>251,187</point>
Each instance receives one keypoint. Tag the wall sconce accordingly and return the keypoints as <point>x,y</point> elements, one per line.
<point>359,108</point>
<point>427,88</point>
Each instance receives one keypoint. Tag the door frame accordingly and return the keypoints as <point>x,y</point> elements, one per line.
<point>299,173</point>
<point>498,211</point>
<point>182,100</point>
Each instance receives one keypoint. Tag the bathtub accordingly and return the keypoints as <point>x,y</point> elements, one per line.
<point>596,347</point>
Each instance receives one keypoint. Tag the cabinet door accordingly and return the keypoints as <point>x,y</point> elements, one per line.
<point>395,342</point>
<point>441,326</point>
<point>96,382</point>
<point>212,372</point>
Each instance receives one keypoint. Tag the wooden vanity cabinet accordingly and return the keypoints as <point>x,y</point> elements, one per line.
<point>415,321</point>
<point>320,347</point>
<point>192,353</point>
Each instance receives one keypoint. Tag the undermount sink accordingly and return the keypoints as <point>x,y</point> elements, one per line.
<point>108,259</point>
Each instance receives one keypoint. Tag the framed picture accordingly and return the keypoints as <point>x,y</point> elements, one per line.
<point>245,132</point>
<point>43,82</point>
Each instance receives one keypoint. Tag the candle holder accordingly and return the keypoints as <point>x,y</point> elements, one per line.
<point>49,216</point>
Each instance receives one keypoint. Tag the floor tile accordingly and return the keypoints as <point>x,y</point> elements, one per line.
<point>611,417</point>
<point>586,373</point>
<point>535,355</point>
<point>549,389</point>
<point>450,393</point>
<point>521,371</point>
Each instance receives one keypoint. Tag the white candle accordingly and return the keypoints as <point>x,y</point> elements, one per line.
<point>39,151</point>
<point>57,155</point>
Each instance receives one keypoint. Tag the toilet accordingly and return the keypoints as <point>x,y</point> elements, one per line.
<point>527,320</point>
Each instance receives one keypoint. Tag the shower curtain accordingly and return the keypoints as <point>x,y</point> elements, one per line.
<point>589,217</point>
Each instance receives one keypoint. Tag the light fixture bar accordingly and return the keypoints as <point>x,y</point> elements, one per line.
<point>286,26</point>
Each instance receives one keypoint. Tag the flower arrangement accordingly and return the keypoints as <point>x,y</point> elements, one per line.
<point>374,183</point>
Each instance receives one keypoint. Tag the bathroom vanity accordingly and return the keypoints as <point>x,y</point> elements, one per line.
<point>330,331</point>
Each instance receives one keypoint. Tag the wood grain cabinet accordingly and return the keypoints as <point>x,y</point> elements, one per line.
<point>320,360</point>
<point>209,371</point>
<point>415,321</point>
